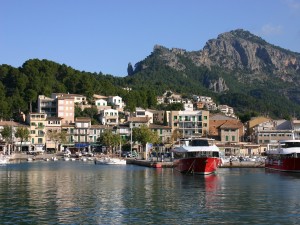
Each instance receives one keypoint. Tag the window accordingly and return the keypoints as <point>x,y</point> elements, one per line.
<point>204,117</point>
<point>227,138</point>
<point>233,138</point>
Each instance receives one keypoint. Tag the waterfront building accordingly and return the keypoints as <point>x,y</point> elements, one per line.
<point>53,124</point>
<point>251,124</point>
<point>82,130</point>
<point>270,132</point>
<point>226,129</point>
<point>296,128</point>
<point>164,132</point>
<point>37,125</point>
<point>190,123</point>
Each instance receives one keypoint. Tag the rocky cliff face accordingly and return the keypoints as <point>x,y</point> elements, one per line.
<point>237,52</point>
<point>241,50</point>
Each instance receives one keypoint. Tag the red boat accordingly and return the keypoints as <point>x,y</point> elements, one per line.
<point>197,156</point>
<point>285,157</point>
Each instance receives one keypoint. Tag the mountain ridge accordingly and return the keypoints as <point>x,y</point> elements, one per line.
<point>236,63</point>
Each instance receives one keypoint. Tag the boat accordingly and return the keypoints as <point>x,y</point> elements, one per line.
<point>4,159</point>
<point>196,156</point>
<point>110,161</point>
<point>284,157</point>
<point>29,159</point>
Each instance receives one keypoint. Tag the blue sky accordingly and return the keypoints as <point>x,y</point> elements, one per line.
<point>104,36</point>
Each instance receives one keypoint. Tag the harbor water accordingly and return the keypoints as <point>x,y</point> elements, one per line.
<point>58,192</point>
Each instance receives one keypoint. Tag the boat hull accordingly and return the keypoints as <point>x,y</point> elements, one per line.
<point>285,165</point>
<point>202,166</point>
<point>110,161</point>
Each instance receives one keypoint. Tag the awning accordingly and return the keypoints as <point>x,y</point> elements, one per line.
<point>82,145</point>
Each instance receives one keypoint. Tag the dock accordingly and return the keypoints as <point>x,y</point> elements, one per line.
<point>168,164</point>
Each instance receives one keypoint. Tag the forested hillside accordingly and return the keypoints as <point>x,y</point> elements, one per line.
<point>237,68</point>
<point>20,87</point>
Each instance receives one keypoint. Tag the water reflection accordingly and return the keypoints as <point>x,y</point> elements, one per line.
<point>84,193</point>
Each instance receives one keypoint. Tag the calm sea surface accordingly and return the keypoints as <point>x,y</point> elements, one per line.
<point>83,193</point>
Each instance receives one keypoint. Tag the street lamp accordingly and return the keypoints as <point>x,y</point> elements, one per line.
<point>131,138</point>
<point>11,138</point>
<point>183,134</point>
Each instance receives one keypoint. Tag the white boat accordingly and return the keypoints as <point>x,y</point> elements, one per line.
<point>110,161</point>
<point>66,159</point>
<point>54,159</point>
<point>284,157</point>
<point>4,160</point>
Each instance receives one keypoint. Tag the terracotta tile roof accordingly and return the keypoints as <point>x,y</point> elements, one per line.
<point>139,119</point>
<point>83,119</point>
<point>155,126</point>
<point>53,118</point>
<point>11,123</point>
<point>231,125</point>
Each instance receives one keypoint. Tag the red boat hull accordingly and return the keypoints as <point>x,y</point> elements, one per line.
<point>286,165</point>
<point>198,165</point>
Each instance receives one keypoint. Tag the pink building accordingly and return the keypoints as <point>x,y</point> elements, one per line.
<point>65,109</point>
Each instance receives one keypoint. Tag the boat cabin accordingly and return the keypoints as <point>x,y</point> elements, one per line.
<point>200,154</point>
<point>196,142</point>
<point>196,148</point>
<point>285,150</point>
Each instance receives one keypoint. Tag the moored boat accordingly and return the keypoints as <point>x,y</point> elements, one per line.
<point>110,161</point>
<point>285,157</point>
<point>197,156</point>
<point>4,159</point>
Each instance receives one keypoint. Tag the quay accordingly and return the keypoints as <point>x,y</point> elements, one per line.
<point>167,164</point>
<point>147,163</point>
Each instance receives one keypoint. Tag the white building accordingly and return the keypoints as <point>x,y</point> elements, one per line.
<point>100,102</point>
<point>116,101</point>
<point>109,117</point>
<point>139,112</point>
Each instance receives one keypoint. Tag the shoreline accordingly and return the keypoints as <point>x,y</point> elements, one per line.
<point>139,162</point>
